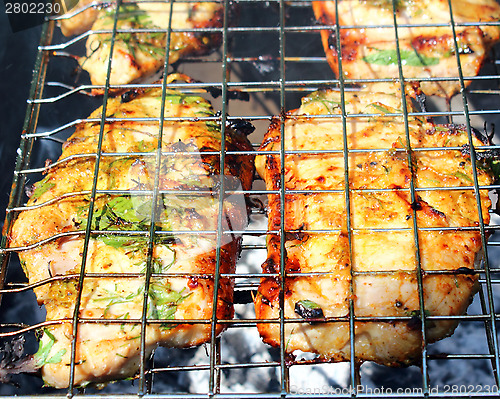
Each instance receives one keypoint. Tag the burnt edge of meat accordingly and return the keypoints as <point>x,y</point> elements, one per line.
<point>464,270</point>
<point>13,361</point>
<point>482,155</point>
<point>416,205</point>
<point>230,94</point>
<point>214,39</point>
<point>297,235</point>
<point>324,20</point>
<point>454,128</point>
<point>308,312</point>
<point>269,291</point>
<point>241,125</point>
<point>270,266</point>
<point>416,320</point>
<point>130,95</point>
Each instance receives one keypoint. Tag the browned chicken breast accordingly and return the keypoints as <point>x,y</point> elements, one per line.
<point>77,16</point>
<point>50,236</point>
<point>140,54</point>
<point>426,41</point>
<point>368,252</point>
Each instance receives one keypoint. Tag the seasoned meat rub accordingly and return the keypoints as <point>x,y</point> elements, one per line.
<point>77,18</point>
<point>426,47</point>
<point>141,38</point>
<point>367,253</point>
<point>51,232</point>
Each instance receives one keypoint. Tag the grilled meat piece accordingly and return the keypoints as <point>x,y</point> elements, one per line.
<point>50,235</point>
<point>81,19</point>
<point>369,255</point>
<point>427,47</point>
<point>138,55</point>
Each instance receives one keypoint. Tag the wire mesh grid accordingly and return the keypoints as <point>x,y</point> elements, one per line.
<point>271,52</point>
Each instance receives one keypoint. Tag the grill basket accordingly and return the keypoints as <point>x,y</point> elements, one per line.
<point>271,52</point>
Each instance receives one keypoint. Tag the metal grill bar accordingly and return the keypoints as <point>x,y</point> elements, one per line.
<point>214,381</point>
<point>143,384</point>
<point>492,338</point>
<point>284,372</point>
<point>413,196</point>
<point>81,277</point>
<point>354,368</point>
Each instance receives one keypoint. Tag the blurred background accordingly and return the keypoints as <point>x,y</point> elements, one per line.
<point>17,59</point>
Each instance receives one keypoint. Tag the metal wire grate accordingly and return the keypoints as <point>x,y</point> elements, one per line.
<point>271,52</point>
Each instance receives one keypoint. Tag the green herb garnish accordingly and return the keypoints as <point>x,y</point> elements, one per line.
<point>113,297</point>
<point>119,241</point>
<point>143,146</point>
<point>121,213</point>
<point>42,187</point>
<point>386,3</point>
<point>143,41</point>
<point>41,357</point>
<point>462,175</point>
<point>381,108</point>
<point>321,97</point>
<point>495,170</point>
<point>408,57</point>
<point>163,302</point>
<point>309,304</point>
<point>308,309</point>
<point>416,313</point>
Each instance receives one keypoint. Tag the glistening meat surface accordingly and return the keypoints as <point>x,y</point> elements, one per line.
<point>367,253</point>
<point>138,48</point>
<point>427,43</point>
<point>116,294</point>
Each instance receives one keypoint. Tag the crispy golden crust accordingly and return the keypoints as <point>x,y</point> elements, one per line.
<point>186,220</point>
<point>369,257</point>
<point>427,51</point>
